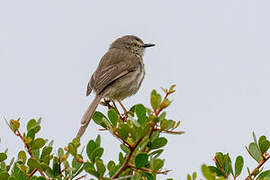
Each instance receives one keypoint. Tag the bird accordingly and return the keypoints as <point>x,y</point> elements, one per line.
<point>119,74</point>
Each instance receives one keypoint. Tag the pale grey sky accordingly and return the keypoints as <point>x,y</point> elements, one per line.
<point>216,52</point>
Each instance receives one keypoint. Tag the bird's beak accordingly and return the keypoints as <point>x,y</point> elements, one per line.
<point>148,45</point>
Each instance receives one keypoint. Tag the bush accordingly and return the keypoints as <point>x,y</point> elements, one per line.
<point>140,131</point>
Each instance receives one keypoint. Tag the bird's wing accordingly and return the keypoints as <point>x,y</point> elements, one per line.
<point>113,65</point>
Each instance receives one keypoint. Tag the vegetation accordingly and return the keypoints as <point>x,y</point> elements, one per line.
<point>140,131</point>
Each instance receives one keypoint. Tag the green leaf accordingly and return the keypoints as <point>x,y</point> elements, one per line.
<point>98,141</point>
<point>12,178</point>
<point>162,115</point>
<point>141,160</point>
<point>32,123</point>
<point>38,143</point>
<point>166,102</point>
<point>239,163</point>
<point>155,99</point>
<point>56,169</point>
<point>91,146</point>
<point>227,165</point>
<point>141,113</point>
<point>156,153</point>
<point>188,177</point>
<point>88,167</point>
<point>22,156</point>
<point>164,124</point>
<point>158,143</point>
<point>14,125</point>
<point>124,148</point>
<point>111,165</point>
<point>32,163</point>
<point>4,175</point>
<point>113,117</point>
<point>207,173</point>
<point>100,119</point>
<point>72,149</point>
<point>254,151</point>
<point>3,157</point>
<point>121,158</point>
<point>194,176</point>
<point>264,175</point>
<point>154,136</point>
<point>264,144</point>
<point>123,130</point>
<point>60,152</point>
<point>76,164</point>
<point>45,154</point>
<point>97,153</point>
<point>157,164</point>
<point>100,167</point>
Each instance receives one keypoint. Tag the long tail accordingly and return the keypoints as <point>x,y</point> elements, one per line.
<point>88,115</point>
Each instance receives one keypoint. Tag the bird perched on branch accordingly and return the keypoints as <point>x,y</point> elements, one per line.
<point>119,74</point>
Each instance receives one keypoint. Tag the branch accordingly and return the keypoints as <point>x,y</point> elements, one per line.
<point>32,173</point>
<point>168,131</point>
<point>124,165</point>
<point>132,148</point>
<point>18,133</point>
<point>149,170</point>
<point>81,177</point>
<point>157,111</point>
<point>265,158</point>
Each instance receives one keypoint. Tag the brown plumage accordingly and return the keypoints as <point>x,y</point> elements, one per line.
<point>119,74</point>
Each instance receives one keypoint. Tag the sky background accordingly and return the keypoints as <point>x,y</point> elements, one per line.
<point>216,52</point>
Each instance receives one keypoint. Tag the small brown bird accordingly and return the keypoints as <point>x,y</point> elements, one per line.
<point>119,74</point>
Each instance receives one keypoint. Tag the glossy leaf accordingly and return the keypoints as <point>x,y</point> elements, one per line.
<point>91,146</point>
<point>38,143</point>
<point>97,153</point>
<point>239,163</point>
<point>113,117</point>
<point>3,157</point>
<point>157,164</point>
<point>158,143</point>
<point>254,151</point>
<point>88,167</point>
<point>264,144</point>
<point>264,175</point>
<point>100,167</point>
<point>14,125</point>
<point>33,163</point>
<point>100,119</point>
<point>141,160</point>
<point>22,156</point>
<point>123,130</point>
<point>141,113</point>
<point>155,99</point>
<point>164,124</point>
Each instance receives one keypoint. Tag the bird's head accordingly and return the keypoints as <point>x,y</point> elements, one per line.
<point>131,43</point>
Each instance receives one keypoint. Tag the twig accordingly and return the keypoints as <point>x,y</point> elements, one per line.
<point>18,133</point>
<point>81,177</point>
<point>32,173</point>
<point>149,170</point>
<point>132,148</point>
<point>124,165</point>
<point>157,111</point>
<point>124,177</point>
<point>123,140</point>
<point>265,158</point>
<point>168,131</point>
<point>107,103</point>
